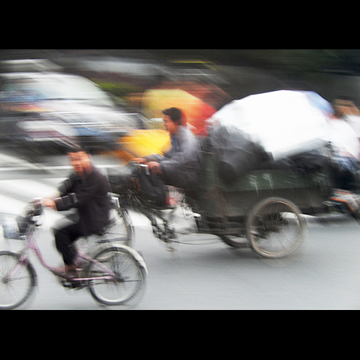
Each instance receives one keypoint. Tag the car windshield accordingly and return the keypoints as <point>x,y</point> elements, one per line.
<point>55,88</point>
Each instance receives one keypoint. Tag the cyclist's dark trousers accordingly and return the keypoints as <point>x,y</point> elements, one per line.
<point>64,240</point>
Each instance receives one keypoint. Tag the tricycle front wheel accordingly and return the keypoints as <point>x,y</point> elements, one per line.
<point>275,228</point>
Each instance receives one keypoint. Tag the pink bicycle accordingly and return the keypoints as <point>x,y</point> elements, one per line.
<point>114,274</point>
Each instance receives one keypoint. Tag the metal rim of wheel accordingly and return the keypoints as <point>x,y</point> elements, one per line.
<point>130,278</point>
<point>275,228</point>
<point>16,290</point>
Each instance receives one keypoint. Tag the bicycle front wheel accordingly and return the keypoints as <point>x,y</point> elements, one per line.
<point>130,272</point>
<point>17,280</point>
<point>120,229</point>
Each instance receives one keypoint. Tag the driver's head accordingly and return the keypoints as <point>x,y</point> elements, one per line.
<point>173,118</point>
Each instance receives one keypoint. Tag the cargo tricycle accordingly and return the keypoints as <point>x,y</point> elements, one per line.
<point>262,210</point>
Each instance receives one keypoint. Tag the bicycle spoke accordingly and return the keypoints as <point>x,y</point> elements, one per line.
<point>128,280</point>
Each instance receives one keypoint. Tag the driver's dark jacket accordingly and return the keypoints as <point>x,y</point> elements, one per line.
<point>90,196</point>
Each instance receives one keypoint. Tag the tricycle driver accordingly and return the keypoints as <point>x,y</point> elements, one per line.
<point>181,165</point>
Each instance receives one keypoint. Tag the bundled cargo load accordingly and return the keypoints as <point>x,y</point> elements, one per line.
<point>234,152</point>
<point>266,128</point>
<point>283,122</point>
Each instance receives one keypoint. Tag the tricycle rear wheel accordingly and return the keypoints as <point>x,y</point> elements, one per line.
<point>275,228</point>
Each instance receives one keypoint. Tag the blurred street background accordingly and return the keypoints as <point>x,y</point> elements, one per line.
<point>52,98</point>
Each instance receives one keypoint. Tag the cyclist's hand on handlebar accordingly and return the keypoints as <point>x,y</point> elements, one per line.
<point>49,203</point>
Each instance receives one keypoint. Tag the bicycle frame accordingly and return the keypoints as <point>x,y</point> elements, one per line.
<point>31,244</point>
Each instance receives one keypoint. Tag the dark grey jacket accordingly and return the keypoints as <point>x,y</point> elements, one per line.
<point>181,165</point>
<point>89,196</point>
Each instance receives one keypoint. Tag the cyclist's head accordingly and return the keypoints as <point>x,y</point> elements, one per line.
<point>80,160</point>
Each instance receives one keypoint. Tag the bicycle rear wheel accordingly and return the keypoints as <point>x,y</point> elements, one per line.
<point>130,276</point>
<point>17,281</point>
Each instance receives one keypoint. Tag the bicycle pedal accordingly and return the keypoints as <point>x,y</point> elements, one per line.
<point>65,283</point>
<point>77,285</point>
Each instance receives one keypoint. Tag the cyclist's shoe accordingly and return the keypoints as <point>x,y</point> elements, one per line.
<point>69,277</point>
<point>68,272</point>
<point>72,284</point>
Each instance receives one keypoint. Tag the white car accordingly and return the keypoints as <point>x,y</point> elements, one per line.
<point>57,108</point>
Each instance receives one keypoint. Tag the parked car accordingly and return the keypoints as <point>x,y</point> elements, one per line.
<point>54,108</point>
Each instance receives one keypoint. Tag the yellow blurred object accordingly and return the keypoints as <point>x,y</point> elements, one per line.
<point>141,143</point>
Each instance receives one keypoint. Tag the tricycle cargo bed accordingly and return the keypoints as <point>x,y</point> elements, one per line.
<point>217,199</point>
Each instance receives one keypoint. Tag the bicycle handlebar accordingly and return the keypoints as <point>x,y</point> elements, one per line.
<point>34,207</point>
<point>144,166</point>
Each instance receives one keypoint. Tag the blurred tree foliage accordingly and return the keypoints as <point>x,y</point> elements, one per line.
<point>120,90</point>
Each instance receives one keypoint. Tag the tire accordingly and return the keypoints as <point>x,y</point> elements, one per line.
<point>129,228</point>
<point>130,270</point>
<point>16,290</point>
<point>235,242</point>
<point>275,228</point>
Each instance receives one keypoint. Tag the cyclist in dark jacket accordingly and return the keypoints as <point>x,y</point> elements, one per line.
<point>86,189</point>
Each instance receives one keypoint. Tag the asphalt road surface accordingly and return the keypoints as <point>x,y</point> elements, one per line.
<point>203,274</point>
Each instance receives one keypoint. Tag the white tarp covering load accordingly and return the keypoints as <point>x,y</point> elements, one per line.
<point>284,123</point>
